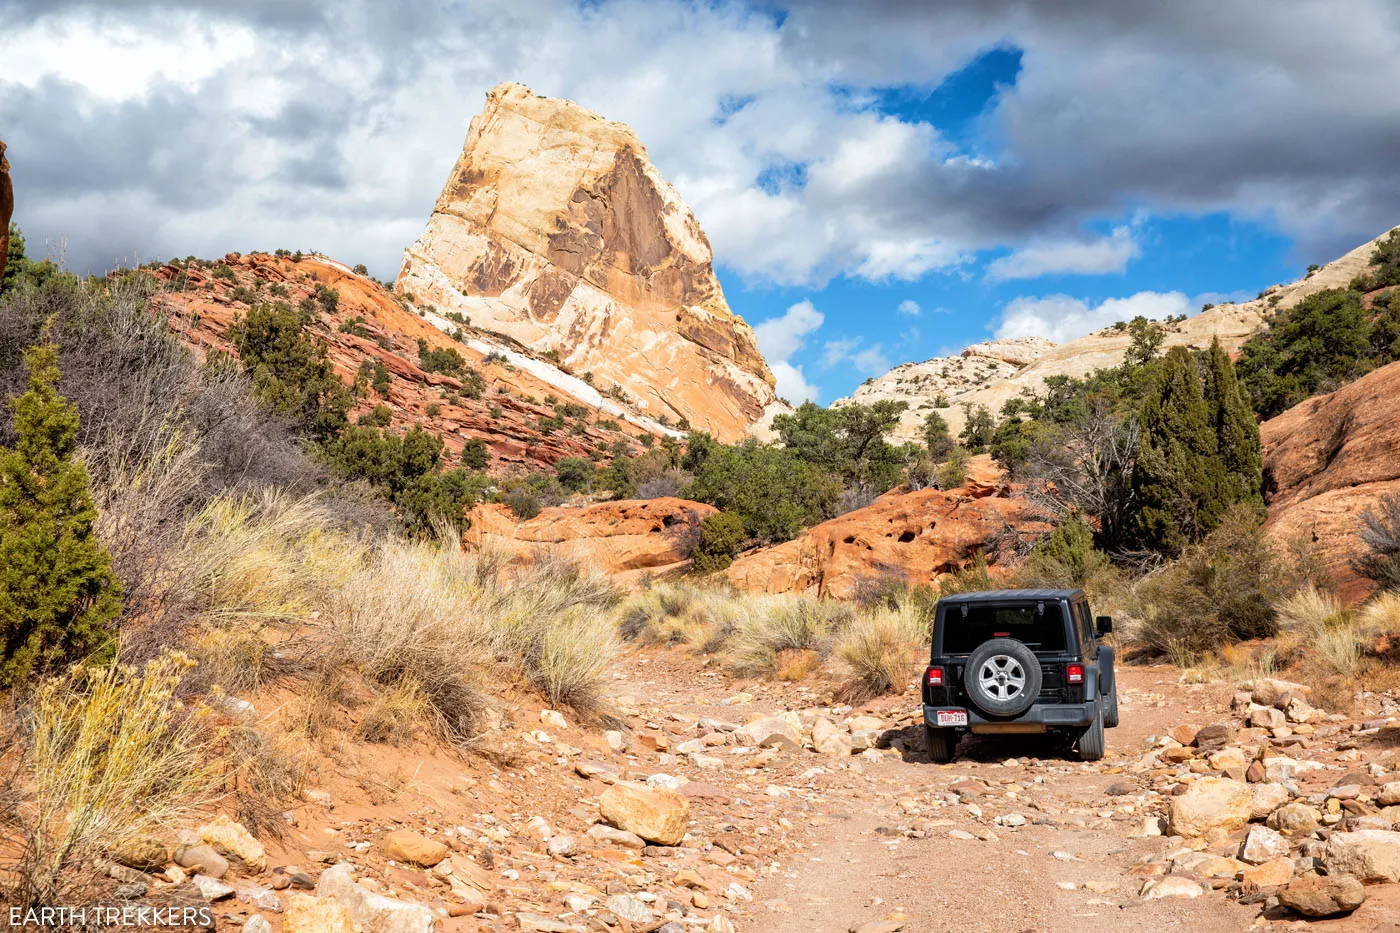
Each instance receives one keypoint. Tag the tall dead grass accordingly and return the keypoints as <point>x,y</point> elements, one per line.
<point>881,650</point>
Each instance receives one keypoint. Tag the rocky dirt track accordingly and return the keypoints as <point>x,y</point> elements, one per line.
<point>716,806</point>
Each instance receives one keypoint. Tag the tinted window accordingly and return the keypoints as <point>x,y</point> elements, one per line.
<point>1041,631</point>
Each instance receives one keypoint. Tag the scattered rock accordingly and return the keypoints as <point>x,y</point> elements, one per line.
<point>1295,819</point>
<point>605,833</point>
<point>412,848</point>
<point>1270,874</point>
<point>370,911</point>
<point>562,846</point>
<point>1323,895</point>
<point>212,889</point>
<point>1371,855</point>
<point>1266,798</point>
<point>1263,845</point>
<point>307,914</point>
<point>830,739</point>
<point>629,908</point>
<point>1172,886</point>
<point>201,859</point>
<point>655,814</point>
<point>781,731</point>
<point>1211,803</point>
<point>231,839</point>
<point>144,853</point>
<point>257,924</point>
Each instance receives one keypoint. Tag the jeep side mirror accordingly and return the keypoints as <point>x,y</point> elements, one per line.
<point>1105,625</point>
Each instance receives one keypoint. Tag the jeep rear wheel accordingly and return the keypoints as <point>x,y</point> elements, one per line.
<point>1110,707</point>
<point>1091,741</point>
<point>1002,677</point>
<point>941,743</point>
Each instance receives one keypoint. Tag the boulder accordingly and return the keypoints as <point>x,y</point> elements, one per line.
<point>1371,855</point>
<point>1211,803</point>
<point>373,912</point>
<point>1323,895</point>
<point>308,914</point>
<point>412,848</point>
<point>144,853</point>
<point>830,739</point>
<point>1230,761</point>
<point>1272,692</point>
<point>1266,717</point>
<point>1268,874</point>
<point>1265,799</point>
<point>653,813</point>
<point>233,840</point>
<point>555,230</point>
<point>781,731</point>
<point>1389,794</point>
<point>1263,845</point>
<point>1295,819</point>
<point>202,859</point>
<point>1172,886</point>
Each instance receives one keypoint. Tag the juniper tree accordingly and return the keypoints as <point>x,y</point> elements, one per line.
<point>1236,431</point>
<point>58,594</point>
<point>1178,476</point>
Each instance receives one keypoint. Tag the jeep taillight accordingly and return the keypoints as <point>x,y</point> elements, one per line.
<point>1074,673</point>
<point>934,676</point>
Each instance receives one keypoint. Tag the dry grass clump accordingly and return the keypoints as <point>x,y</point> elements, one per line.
<point>395,715</point>
<point>416,612</point>
<point>113,754</point>
<point>264,769</point>
<point>761,627</point>
<point>881,650</point>
<point>667,614</point>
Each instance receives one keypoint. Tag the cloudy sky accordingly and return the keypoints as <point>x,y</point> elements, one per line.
<point>881,181</point>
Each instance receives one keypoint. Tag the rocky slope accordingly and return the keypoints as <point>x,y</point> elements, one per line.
<point>1327,460</point>
<point>519,395</point>
<point>916,536</point>
<point>554,229</point>
<point>991,386</point>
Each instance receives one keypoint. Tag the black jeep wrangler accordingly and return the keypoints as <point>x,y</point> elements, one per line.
<point>1018,661</point>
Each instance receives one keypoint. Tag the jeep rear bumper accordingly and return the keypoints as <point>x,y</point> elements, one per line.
<point>1048,715</point>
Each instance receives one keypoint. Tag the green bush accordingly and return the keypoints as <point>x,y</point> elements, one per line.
<point>58,594</point>
<point>1220,590</point>
<point>773,490</point>
<point>444,360</point>
<point>1380,532</point>
<point>575,473</point>
<point>722,536</point>
<point>475,454</point>
<point>291,372</point>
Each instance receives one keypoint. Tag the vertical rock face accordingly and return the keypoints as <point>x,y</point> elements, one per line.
<point>555,229</point>
<point>7,207</point>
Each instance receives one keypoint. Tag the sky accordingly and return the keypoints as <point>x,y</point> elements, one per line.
<point>881,182</point>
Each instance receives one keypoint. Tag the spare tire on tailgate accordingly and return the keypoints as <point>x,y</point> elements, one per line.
<point>1002,677</point>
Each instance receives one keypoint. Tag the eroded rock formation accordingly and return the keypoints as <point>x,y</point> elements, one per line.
<point>613,537</point>
<point>555,230</point>
<point>917,536</point>
<point>1327,460</point>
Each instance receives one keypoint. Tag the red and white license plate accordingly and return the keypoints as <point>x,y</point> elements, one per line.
<point>952,717</point>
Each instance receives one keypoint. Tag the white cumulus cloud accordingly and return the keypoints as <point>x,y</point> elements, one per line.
<point>909,306</point>
<point>1063,317</point>
<point>780,338</point>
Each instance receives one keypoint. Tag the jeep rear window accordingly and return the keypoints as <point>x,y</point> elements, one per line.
<point>1041,631</point>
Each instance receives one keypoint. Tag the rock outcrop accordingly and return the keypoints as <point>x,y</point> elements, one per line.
<point>918,536</point>
<point>613,537</point>
<point>1327,460</point>
<point>974,379</point>
<point>515,408</point>
<point>7,207</point>
<point>555,230</point>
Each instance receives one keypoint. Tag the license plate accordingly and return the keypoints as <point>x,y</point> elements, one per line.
<point>952,717</point>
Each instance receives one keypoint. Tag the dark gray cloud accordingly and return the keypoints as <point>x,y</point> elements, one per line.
<point>331,125</point>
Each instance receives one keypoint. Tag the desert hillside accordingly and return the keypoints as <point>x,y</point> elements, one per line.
<point>986,374</point>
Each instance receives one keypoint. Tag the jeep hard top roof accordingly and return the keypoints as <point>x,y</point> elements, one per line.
<point>1006,596</point>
